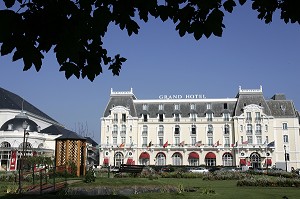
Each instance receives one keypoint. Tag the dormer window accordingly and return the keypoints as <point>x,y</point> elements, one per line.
<point>10,127</point>
<point>145,107</point>
<point>208,106</point>
<point>161,107</point>
<point>176,107</point>
<point>193,106</point>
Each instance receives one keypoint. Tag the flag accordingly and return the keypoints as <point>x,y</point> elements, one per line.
<point>150,144</point>
<point>199,143</point>
<point>271,144</point>
<point>234,144</point>
<point>131,145</point>
<point>245,142</point>
<point>166,144</point>
<point>181,143</point>
<point>265,143</point>
<point>122,145</point>
<point>217,144</point>
<point>13,160</point>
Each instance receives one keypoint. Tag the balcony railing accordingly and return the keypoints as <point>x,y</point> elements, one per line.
<point>249,132</point>
<point>249,119</point>
<point>257,132</point>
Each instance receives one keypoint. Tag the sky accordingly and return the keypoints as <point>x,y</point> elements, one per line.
<point>159,61</point>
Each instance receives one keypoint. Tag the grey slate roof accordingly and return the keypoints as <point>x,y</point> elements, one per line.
<point>66,134</point>
<point>9,100</point>
<point>91,141</point>
<point>277,106</point>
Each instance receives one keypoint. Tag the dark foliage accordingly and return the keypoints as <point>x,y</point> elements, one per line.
<point>75,29</point>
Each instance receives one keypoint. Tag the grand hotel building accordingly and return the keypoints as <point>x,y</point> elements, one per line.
<point>244,130</point>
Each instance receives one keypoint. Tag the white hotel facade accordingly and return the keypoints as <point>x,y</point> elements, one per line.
<point>192,130</point>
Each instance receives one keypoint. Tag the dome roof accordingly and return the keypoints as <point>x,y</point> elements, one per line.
<point>17,124</point>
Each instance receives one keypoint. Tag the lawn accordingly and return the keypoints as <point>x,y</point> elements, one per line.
<point>222,189</point>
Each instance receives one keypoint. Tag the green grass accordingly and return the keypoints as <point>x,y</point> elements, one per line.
<point>223,189</point>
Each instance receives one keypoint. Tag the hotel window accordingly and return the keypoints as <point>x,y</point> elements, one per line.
<point>210,129</point>
<point>258,129</point>
<point>227,159</point>
<point>193,129</point>
<point>242,139</point>
<point>257,117</point>
<point>123,139</point>
<point>124,117</point>
<point>193,117</point>
<point>226,116</point>
<point>115,140</point>
<point>160,117</point>
<point>267,139</point>
<point>285,138</point>
<point>176,159</point>
<point>250,140</point>
<point>284,126</point>
<point>177,130</point>
<point>226,129</point>
<point>130,139</point>
<point>107,140</point>
<point>266,128</point>
<point>107,128</point>
<point>208,106</point>
<point>248,116</point>
<point>193,140</point>
<point>161,130</point>
<point>209,116</point>
<point>210,141</point>
<point>130,128</point>
<point>287,157</point>
<point>145,130</point>
<point>123,129</point>
<point>144,142</point>
<point>193,106</point>
<point>176,107</point>
<point>177,117</point>
<point>227,142</point>
<point>241,128</point>
<point>177,140</point>
<point>115,117</point>
<point>225,106</point>
<point>145,107</point>
<point>249,129</point>
<point>145,117</point>
<point>161,141</point>
<point>115,130</point>
<point>258,139</point>
<point>161,107</point>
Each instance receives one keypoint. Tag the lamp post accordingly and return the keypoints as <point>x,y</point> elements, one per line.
<point>285,159</point>
<point>24,126</point>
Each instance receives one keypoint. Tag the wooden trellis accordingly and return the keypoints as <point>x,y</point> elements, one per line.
<point>74,151</point>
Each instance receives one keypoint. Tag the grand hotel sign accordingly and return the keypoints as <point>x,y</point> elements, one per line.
<point>190,96</point>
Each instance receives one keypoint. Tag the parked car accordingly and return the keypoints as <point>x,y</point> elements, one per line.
<point>199,170</point>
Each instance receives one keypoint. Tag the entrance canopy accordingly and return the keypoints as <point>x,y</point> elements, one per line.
<point>193,155</point>
<point>144,155</point>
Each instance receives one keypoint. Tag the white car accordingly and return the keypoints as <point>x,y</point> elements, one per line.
<point>199,170</point>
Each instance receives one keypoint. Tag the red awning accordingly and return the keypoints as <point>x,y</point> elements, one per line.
<point>105,161</point>
<point>243,162</point>
<point>130,161</point>
<point>193,155</point>
<point>269,162</point>
<point>144,155</point>
<point>210,155</point>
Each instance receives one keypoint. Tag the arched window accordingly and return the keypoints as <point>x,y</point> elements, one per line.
<point>227,159</point>
<point>161,159</point>
<point>119,159</point>
<point>5,145</point>
<point>210,159</point>
<point>177,159</point>
<point>193,159</point>
<point>255,160</point>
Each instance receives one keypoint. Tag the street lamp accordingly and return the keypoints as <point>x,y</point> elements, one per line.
<point>24,126</point>
<point>285,159</point>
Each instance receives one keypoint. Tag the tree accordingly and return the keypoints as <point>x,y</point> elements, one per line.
<point>74,29</point>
